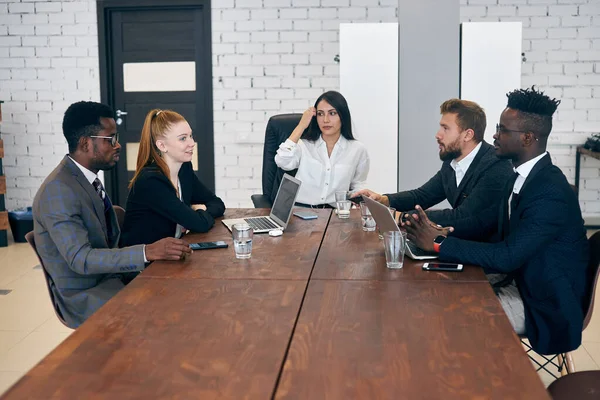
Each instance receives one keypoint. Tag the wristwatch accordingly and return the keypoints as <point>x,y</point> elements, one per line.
<point>437,242</point>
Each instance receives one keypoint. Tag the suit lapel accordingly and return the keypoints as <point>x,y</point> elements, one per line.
<point>470,172</point>
<point>540,165</point>
<point>450,185</point>
<point>89,189</point>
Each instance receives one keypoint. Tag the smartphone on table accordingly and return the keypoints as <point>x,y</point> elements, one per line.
<point>439,266</point>
<point>305,215</point>
<point>208,245</point>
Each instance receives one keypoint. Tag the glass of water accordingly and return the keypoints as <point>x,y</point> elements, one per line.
<point>395,245</point>
<point>368,222</point>
<point>242,240</point>
<point>343,208</point>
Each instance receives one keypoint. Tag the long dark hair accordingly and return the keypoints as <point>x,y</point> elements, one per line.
<point>337,101</point>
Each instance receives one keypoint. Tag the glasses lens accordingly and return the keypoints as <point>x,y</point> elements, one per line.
<point>114,140</point>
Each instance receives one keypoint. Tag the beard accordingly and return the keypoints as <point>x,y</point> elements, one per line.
<point>99,160</point>
<point>450,152</point>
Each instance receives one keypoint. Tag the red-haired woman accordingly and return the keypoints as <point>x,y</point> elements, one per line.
<point>164,186</point>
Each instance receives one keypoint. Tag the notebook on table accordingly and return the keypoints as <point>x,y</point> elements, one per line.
<point>280,212</point>
<point>386,223</point>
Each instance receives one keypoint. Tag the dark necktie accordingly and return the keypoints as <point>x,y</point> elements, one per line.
<point>105,200</point>
<point>513,196</point>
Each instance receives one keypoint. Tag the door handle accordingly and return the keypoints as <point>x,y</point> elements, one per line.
<point>120,113</point>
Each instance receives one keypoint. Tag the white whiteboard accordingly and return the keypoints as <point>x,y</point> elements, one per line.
<point>369,82</point>
<point>490,66</point>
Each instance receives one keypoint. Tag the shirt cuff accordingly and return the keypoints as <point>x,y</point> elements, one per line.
<point>288,144</point>
<point>144,253</point>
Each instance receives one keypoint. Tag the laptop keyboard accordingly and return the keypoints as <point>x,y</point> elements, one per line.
<point>261,223</point>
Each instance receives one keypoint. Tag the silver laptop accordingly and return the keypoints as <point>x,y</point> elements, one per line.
<point>386,223</point>
<point>280,212</point>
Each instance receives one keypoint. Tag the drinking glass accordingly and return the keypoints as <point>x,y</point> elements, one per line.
<point>343,209</point>
<point>395,244</point>
<point>368,222</point>
<point>242,240</point>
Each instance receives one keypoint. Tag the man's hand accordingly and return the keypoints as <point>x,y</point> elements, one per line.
<point>444,231</point>
<point>421,231</point>
<point>167,249</point>
<point>372,195</point>
<point>196,207</point>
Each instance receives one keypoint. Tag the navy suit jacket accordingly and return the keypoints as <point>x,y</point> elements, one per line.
<point>475,202</point>
<point>546,250</point>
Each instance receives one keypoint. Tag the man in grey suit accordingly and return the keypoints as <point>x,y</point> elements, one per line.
<point>471,178</point>
<point>75,227</point>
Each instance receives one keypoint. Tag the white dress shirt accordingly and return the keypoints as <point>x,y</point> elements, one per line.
<point>321,175</point>
<point>461,167</point>
<point>524,170</point>
<point>89,175</point>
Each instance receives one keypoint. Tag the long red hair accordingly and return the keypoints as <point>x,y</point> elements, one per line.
<point>156,124</point>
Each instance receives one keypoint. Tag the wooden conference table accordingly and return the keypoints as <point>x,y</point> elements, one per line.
<point>314,314</point>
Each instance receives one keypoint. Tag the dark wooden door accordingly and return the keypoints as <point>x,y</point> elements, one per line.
<point>156,54</point>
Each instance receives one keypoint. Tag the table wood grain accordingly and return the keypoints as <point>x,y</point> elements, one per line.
<point>405,340</point>
<point>174,339</point>
<point>290,256</point>
<point>349,253</point>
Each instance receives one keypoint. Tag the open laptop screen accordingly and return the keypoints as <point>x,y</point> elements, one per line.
<point>284,202</point>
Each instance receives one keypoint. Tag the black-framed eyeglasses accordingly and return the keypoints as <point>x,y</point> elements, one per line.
<point>114,139</point>
<point>503,129</point>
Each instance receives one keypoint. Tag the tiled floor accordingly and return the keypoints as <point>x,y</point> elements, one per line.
<point>29,330</point>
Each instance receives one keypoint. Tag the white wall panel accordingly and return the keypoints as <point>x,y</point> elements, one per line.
<point>369,82</point>
<point>490,66</point>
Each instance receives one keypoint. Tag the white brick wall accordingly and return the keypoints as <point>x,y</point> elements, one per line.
<point>270,57</point>
<point>280,61</point>
<point>561,41</point>
<point>48,59</point>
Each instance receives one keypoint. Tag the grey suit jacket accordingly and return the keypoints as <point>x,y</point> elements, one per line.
<point>76,248</point>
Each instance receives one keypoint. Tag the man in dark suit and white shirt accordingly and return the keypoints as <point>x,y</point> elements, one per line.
<point>471,177</point>
<point>544,252</point>
<point>75,227</point>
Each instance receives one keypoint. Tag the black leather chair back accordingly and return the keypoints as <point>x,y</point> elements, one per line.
<point>279,128</point>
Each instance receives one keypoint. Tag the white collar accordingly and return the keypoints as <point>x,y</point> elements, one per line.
<point>465,163</point>
<point>342,142</point>
<point>525,169</point>
<point>89,175</point>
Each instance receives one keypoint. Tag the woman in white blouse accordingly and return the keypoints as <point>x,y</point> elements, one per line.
<point>326,154</point>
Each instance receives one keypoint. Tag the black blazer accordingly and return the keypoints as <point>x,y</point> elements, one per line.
<point>546,251</point>
<point>475,202</point>
<point>153,209</point>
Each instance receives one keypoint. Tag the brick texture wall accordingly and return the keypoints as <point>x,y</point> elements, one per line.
<point>269,57</point>
<point>561,42</point>
<point>48,60</point>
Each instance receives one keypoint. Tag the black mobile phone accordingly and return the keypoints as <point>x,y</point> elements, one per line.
<point>356,200</point>
<point>438,266</point>
<point>208,245</point>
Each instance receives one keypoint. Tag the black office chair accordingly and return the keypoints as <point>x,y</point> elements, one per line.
<point>120,212</point>
<point>564,362</point>
<point>49,282</point>
<point>279,128</point>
